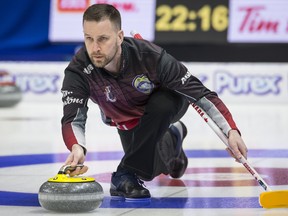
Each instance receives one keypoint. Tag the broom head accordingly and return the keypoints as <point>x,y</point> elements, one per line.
<point>274,199</point>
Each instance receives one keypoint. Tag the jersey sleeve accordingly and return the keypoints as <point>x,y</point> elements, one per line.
<point>174,75</point>
<point>75,97</point>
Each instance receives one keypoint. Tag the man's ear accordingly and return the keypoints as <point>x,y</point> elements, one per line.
<point>120,37</point>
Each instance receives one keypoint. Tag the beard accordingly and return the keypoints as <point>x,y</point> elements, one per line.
<point>101,60</point>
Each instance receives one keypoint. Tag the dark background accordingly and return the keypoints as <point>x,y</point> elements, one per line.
<point>24,36</point>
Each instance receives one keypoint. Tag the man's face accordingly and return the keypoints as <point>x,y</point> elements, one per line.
<point>102,41</point>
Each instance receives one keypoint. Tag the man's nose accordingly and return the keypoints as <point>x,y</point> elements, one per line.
<point>96,47</point>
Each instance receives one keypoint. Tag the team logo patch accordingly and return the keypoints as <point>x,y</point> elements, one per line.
<point>143,84</point>
<point>109,95</point>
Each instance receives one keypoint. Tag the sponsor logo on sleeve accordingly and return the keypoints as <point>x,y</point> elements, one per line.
<point>186,76</point>
<point>88,69</point>
<point>69,99</point>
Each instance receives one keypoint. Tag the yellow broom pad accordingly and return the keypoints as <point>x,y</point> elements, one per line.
<point>274,199</point>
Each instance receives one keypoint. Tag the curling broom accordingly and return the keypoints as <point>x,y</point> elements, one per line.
<point>267,199</point>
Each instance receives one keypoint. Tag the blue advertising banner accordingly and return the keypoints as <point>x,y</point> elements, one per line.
<point>24,24</point>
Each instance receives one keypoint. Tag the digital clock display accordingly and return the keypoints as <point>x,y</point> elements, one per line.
<point>191,21</point>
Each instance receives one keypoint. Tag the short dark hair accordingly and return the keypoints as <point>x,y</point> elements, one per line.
<point>99,12</point>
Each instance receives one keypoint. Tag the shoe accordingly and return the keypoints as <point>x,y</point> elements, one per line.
<point>128,185</point>
<point>176,161</point>
<point>178,166</point>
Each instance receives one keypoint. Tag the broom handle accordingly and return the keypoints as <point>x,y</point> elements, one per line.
<point>224,138</point>
<point>136,35</point>
<point>221,135</point>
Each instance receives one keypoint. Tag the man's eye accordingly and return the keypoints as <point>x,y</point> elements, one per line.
<point>89,39</point>
<point>102,39</point>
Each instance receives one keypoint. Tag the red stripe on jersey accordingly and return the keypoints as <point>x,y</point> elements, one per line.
<point>221,107</point>
<point>68,136</point>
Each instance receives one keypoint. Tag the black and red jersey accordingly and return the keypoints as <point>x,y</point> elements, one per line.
<point>145,67</point>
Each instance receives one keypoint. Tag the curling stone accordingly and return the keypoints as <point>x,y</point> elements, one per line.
<point>10,93</point>
<point>63,193</point>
